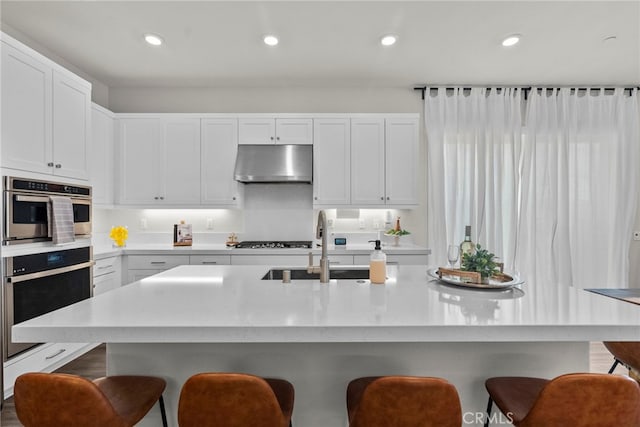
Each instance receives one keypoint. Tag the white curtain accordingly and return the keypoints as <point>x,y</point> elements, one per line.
<point>473,150</point>
<point>555,198</point>
<point>579,186</point>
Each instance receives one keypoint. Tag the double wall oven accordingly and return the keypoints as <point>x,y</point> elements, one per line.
<point>43,277</point>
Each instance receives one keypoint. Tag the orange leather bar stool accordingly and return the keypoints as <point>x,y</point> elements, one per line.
<point>235,400</point>
<point>575,400</point>
<point>394,401</point>
<point>55,400</point>
<point>627,353</point>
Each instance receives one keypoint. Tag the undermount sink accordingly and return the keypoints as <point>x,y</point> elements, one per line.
<point>302,274</point>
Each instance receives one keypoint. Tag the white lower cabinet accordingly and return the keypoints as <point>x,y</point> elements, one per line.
<point>394,259</point>
<point>210,259</point>
<point>141,266</point>
<point>45,358</point>
<point>107,275</point>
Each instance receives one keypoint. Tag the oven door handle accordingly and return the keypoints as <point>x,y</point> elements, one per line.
<point>39,274</point>
<point>45,199</point>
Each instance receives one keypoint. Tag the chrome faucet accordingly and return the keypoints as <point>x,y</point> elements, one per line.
<point>321,233</point>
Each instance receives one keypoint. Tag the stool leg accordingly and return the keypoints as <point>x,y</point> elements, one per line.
<point>489,405</point>
<point>615,364</point>
<point>163,412</point>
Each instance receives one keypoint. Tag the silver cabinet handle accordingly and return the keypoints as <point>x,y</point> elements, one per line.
<point>155,198</point>
<point>158,262</point>
<point>161,198</point>
<point>58,166</point>
<point>278,138</point>
<point>271,138</point>
<point>315,198</point>
<point>209,262</point>
<point>388,198</point>
<point>56,354</point>
<point>234,197</point>
<point>102,267</point>
<point>381,198</point>
<point>50,164</point>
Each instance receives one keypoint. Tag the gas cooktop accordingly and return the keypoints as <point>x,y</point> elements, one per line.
<point>274,244</point>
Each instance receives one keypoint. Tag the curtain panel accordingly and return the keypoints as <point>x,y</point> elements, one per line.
<point>548,184</point>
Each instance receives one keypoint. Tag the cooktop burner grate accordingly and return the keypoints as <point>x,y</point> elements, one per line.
<point>274,244</point>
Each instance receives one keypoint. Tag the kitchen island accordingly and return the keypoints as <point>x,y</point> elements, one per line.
<point>319,336</point>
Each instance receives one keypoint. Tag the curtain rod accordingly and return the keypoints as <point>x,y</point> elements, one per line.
<point>525,89</point>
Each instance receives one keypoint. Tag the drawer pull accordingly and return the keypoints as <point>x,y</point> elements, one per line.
<point>56,354</point>
<point>102,267</point>
<point>158,262</point>
<point>209,262</point>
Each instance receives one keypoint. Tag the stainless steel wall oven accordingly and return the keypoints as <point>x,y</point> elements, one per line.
<point>39,283</point>
<point>25,208</point>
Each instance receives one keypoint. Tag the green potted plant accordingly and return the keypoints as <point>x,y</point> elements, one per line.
<point>481,261</point>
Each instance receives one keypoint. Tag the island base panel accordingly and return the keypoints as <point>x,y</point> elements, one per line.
<point>320,372</point>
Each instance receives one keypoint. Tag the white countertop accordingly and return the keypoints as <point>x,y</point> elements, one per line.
<point>194,303</point>
<point>103,251</point>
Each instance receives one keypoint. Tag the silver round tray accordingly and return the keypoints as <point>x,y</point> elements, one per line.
<point>493,284</point>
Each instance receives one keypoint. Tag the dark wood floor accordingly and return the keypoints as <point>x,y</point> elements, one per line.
<point>92,365</point>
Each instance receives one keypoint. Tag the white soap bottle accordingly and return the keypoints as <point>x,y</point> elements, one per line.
<point>378,265</point>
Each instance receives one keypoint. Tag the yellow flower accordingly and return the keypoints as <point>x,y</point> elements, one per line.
<point>119,235</point>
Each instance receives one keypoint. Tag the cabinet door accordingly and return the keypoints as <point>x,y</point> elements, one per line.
<point>367,162</point>
<point>105,283</point>
<point>181,160</point>
<point>26,112</point>
<point>219,148</point>
<point>71,127</point>
<point>256,131</point>
<point>139,164</point>
<point>294,131</point>
<point>402,151</point>
<point>331,162</point>
<point>102,142</point>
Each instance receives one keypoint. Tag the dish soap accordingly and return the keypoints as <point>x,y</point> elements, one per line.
<point>378,265</point>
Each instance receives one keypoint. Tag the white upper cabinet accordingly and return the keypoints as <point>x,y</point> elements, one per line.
<point>140,159</point>
<point>219,147</point>
<point>331,162</point>
<point>159,161</point>
<point>26,112</point>
<point>102,151</point>
<point>181,151</point>
<point>367,162</point>
<point>71,127</point>
<point>275,131</point>
<point>379,169</point>
<point>401,161</point>
<point>46,114</point>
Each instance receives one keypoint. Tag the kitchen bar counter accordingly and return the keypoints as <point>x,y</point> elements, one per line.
<point>224,318</point>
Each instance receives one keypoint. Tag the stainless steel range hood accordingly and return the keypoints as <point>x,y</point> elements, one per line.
<point>274,163</point>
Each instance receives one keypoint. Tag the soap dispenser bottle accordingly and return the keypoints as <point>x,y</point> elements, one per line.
<point>378,265</point>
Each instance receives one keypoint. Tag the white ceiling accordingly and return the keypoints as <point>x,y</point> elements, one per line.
<point>214,43</point>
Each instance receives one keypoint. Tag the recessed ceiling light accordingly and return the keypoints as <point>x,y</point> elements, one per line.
<point>511,40</point>
<point>388,40</point>
<point>153,39</point>
<point>270,40</point>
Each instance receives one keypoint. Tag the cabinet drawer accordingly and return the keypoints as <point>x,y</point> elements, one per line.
<point>273,260</point>
<point>210,259</point>
<point>159,262</point>
<point>106,266</point>
<point>105,282</point>
<point>45,358</point>
<point>336,259</point>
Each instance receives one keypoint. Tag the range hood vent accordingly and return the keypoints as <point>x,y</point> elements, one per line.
<point>274,163</point>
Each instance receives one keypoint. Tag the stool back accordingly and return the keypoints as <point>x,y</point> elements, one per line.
<point>586,400</point>
<point>228,400</point>
<point>54,400</point>
<point>408,402</point>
